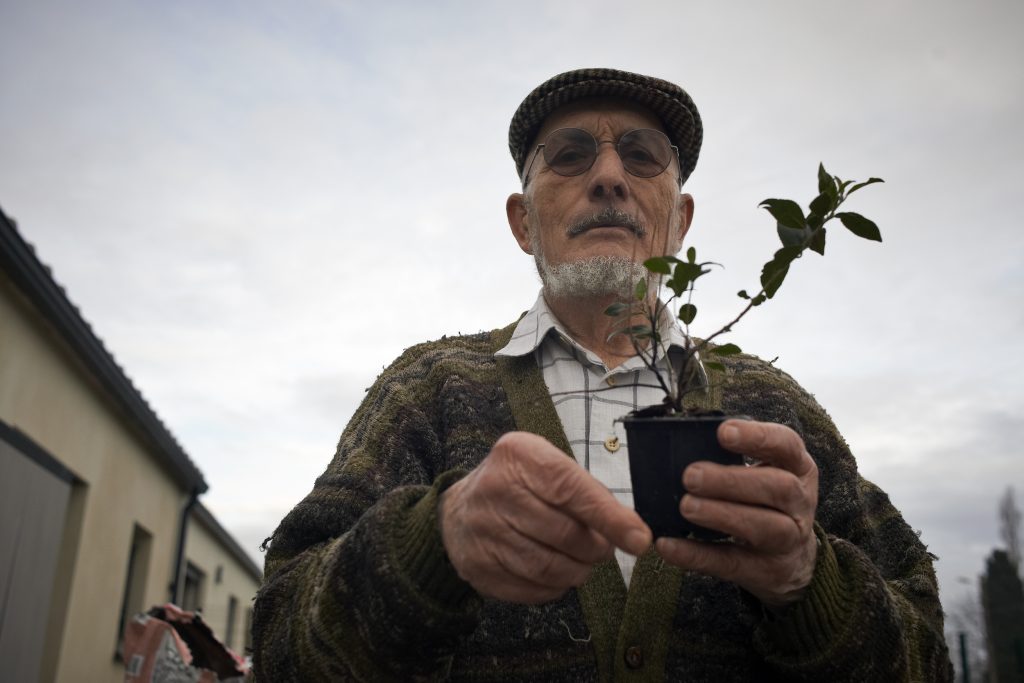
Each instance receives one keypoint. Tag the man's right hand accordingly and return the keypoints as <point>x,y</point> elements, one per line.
<point>529,523</point>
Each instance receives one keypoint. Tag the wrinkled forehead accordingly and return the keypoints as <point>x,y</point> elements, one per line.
<point>598,115</point>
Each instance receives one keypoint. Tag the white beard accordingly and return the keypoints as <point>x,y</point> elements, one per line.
<point>597,276</point>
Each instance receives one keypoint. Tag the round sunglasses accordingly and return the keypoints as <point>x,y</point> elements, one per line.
<point>644,152</point>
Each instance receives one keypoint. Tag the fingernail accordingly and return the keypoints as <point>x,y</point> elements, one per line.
<point>693,477</point>
<point>690,505</point>
<point>729,436</point>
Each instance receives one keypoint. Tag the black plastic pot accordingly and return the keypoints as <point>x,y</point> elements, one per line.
<point>660,448</point>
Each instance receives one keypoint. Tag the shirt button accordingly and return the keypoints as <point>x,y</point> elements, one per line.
<point>611,381</point>
<point>634,657</point>
<point>612,444</point>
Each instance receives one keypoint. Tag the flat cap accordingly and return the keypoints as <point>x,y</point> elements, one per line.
<point>666,100</point>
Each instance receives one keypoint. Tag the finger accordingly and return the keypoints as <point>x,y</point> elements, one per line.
<point>561,532</point>
<point>774,583</point>
<point>770,487</point>
<point>502,505</point>
<point>723,560</point>
<point>773,443</point>
<point>495,552</point>
<point>563,484</point>
<point>531,521</point>
<point>758,527</point>
<point>526,559</point>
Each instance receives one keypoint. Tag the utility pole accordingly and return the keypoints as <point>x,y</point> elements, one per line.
<point>965,667</point>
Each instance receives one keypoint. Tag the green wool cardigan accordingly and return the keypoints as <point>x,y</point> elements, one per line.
<point>358,586</point>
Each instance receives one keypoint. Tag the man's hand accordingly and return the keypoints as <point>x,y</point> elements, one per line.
<point>769,511</point>
<point>529,523</point>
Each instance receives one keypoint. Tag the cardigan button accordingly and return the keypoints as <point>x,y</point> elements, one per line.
<point>634,657</point>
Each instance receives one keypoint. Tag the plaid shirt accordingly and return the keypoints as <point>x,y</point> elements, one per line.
<point>589,398</point>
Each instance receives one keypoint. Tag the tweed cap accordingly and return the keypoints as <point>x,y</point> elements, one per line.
<point>668,101</point>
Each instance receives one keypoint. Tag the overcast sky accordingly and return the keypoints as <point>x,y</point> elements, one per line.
<point>257,205</point>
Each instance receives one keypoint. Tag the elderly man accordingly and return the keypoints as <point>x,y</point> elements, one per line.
<point>475,522</point>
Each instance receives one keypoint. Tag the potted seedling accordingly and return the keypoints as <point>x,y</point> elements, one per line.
<point>663,439</point>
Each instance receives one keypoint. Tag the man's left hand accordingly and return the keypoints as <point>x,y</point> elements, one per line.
<point>768,510</point>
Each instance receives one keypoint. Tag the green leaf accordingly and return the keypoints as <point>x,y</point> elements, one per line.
<point>867,182</point>
<point>640,292</point>
<point>726,350</point>
<point>822,204</point>
<point>691,254</point>
<point>791,236</point>
<point>785,211</point>
<point>818,241</point>
<point>860,226</point>
<point>787,254</point>
<point>743,294</point>
<point>774,272</point>
<point>714,365</point>
<point>677,286</point>
<point>828,184</point>
<point>687,312</point>
<point>689,271</point>
<point>832,189</point>
<point>814,221</point>
<point>683,276</point>
<point>772,277</point>
<point>616,309</point>
<point>658,264</point>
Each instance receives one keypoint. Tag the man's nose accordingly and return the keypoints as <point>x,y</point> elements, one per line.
<point>608,175</point>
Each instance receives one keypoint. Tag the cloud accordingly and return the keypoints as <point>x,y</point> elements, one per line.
<point>259,207</point>
<point>951,489</point>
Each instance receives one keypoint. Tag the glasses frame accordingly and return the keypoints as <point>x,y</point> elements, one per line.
<point>597,144</point>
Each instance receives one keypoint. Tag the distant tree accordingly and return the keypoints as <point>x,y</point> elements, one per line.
<point>994,611</point>
<point>1002,600</point>
<point>1009,527</point>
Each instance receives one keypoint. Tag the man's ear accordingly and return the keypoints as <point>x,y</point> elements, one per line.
<point>518,220</point>
<point>685,209</point>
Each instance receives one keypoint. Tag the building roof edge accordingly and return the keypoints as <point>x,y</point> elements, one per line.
<point>19,260</point>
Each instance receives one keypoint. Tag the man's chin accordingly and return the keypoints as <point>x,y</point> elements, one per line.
<point>594,276</point>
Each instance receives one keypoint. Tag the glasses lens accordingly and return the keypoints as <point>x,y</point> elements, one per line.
<point>645,152</point>
<point>570,151</point>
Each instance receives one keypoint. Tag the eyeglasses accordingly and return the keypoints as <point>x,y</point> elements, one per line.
<point>644,152</point>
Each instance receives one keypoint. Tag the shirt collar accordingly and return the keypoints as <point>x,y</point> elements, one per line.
<point>539,321</point>
<point>531,329</point>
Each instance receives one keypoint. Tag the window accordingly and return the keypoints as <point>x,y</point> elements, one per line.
<point>229,631</point>
<point>135,581</point>
<point>192,598</point>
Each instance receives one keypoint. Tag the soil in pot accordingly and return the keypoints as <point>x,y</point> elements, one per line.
<point>660,448</point>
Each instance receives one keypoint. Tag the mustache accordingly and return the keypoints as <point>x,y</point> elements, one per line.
<point>606,217</point>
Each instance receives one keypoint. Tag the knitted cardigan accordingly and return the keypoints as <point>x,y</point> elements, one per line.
<point>358,586</point>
